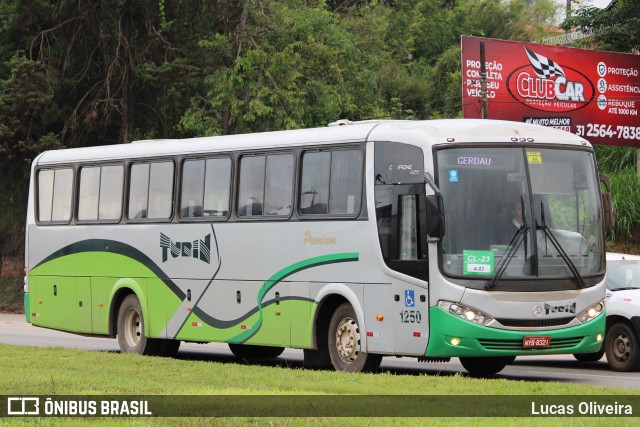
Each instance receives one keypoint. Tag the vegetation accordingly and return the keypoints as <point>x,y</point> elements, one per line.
<point>616,29</point>
<point>50,371</point>
<point>11,296</point>
<point>74,74</point>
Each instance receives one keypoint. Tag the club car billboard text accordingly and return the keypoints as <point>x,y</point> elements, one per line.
<point>591,93</point>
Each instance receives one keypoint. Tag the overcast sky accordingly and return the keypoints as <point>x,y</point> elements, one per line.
<point>597,3</point>
<point>574,6</point>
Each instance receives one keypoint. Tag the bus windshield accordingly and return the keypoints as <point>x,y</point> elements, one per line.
<point>537,207</point>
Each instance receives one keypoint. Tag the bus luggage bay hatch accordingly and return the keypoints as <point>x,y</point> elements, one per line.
<point>475,239</point>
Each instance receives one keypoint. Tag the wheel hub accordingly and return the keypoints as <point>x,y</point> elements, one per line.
<point>133,328</point>
<point>621,348</point>
<point>348,340</point>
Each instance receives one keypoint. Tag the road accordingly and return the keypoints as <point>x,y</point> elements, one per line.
<point>16,331</point>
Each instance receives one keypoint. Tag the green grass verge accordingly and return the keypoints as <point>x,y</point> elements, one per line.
<point>47,371</point>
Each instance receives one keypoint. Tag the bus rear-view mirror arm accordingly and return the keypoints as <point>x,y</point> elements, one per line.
<point>435,211</point>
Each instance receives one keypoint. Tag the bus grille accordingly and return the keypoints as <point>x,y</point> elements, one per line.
<point>535,323</point>
<point>557,343</point>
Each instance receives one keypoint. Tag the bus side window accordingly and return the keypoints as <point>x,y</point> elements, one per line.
<point>331,182</point>
<point>192,188</point>
<point>346,182</point>
<point>151,190</point>
<point>45,194</point>
<point>251,185</point>
<point>266,185</point>
<point>160,190</point>
<point>111,182</point>
<point>216,187</point>
<point>138,188</point>
<point>278,185</point>
<point>314,189</point>
<point>55,187</point>
<point>88,193</point>
<point>100,193</point>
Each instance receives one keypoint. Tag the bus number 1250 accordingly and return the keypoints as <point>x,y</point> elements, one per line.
<point>410,316</point>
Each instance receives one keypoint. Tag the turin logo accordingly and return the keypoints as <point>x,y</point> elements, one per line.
<point>198,249</point>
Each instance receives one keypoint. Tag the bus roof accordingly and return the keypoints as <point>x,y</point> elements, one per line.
<point>427,131</point>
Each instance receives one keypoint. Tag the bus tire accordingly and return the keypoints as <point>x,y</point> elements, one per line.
<point>130,329</point>
<point>590,357</point>
<point>344,343</point>
<point>485,365</point>
<point>621,346</point>
<point>250,352</point>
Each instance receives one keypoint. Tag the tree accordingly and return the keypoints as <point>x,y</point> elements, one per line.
<point>124,65</point>
<point>26,111</point>
<point>294,67</point>
<point>616,29</point>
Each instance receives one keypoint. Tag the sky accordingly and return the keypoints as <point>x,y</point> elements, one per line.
<point>596,3</point>
<point>574,6</point>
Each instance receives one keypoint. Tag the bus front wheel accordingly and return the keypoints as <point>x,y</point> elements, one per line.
<point>485,365</point>
<point>345,343</point>
<point>130,331</point>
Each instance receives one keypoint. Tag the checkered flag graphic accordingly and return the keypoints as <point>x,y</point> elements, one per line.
<point>543,66</point>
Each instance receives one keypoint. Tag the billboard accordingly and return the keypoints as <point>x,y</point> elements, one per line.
<point>594,94</point>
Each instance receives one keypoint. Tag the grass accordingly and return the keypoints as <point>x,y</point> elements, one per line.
<point>52,371</point>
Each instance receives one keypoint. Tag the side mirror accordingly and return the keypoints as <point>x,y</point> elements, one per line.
<point>435,217</point>
<point>607,204</point>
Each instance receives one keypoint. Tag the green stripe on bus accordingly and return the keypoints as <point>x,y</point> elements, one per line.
<point>284,273</point>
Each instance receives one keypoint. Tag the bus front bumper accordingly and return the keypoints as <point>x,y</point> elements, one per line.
<point>452,336</point>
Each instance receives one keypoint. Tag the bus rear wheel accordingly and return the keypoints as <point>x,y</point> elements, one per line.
<point>249,352</point>
<point>130,329</point>
<point>485,365</point>
<point>345,348</point>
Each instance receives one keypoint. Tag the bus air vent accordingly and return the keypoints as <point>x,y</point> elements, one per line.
<point>535,323</point>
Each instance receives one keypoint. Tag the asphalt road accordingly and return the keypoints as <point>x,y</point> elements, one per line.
<point>16,331</point>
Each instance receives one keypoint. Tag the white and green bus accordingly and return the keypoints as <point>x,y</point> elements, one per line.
<point>482,240</point>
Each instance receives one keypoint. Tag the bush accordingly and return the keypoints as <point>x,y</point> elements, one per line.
<point>625,191</point>
<point>11,294</point>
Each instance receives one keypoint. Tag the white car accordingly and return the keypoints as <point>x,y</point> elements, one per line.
<point>622,337</point>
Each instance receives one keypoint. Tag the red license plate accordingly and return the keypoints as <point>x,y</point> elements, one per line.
<point>536,342</point>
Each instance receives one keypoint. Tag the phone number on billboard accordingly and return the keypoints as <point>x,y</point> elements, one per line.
<point>603,130</point>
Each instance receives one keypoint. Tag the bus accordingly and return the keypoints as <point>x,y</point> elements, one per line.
<point>351,242</point>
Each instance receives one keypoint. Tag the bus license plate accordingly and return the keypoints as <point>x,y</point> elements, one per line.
<point>535,342</point>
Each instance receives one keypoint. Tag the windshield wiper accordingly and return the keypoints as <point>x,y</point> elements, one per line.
<point>558,247</point>
<point>514,245</point>
<point>627,288</point>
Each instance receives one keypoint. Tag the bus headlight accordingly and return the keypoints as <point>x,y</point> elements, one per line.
<point>591,312</point>
<point>467,313</point>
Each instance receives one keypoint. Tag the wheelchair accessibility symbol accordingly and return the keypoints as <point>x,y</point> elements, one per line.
<point>409,299</point>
